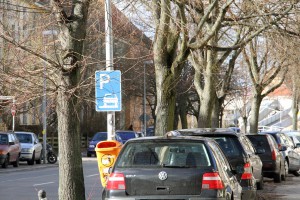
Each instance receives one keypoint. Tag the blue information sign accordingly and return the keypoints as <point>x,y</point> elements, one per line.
<point>108,91</point>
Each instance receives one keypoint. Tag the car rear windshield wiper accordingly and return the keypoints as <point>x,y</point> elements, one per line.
<point>175,166</point>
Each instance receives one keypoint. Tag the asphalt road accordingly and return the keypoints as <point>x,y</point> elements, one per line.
<point>25,181</point>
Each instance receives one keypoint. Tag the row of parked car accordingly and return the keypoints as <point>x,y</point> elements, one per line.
<point>202,164</point>
<point>121,136</point>
<point>19,146</point>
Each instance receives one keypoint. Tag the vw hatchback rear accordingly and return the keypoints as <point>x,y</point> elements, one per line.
<point>171,168</point>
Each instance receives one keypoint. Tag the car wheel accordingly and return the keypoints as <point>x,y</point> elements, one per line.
<point>228,197</point>
<point>31,162</point>
<point>39,161</point>
<point>286,170</point>
<point>16,163</point>
<point>277,177</point>
<point>88,154</point>
<point>6,162</point>
<point>260,184</point>
<point>296,173</point>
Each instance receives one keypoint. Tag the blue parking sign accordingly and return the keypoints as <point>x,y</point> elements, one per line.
<point>108,91</point>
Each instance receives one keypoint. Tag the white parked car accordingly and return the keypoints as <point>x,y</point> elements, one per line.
<point>31,147</point>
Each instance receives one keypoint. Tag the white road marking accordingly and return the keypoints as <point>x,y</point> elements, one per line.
<point>92,175</point>
<point>43,184</point>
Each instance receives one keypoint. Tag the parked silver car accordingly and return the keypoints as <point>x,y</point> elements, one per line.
<point>31,147</point>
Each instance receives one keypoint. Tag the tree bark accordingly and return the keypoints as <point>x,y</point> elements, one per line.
<point>71,181</point>
<point>72,36</point>
<point>295,106</point>
<point>255,105</point>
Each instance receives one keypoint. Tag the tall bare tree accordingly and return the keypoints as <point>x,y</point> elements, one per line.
<point>267,73</point>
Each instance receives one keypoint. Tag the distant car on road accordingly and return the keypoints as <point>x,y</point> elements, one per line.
<point>289,152</point>
<point>171,168</point>
<point>10,149</point>
<point>295,136</point>
<point>126,135</point>
<point>98,137</point>
<point>274,165</point>
<point>31,147</point>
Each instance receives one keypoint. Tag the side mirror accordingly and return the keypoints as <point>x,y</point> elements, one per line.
<point>283,148</point>
<point>11,143</point>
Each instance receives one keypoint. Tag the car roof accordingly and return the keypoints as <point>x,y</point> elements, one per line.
<point>6,133</point>
<point>291,133</point>
<point>208,131</point>
<point>269,132</point>
<point>179,137</point>
<point>24,132</point>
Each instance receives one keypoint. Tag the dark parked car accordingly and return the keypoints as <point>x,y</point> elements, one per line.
<point>98,137</point>
<point>289,151</point>
<point>171,168</point>
<point>274,165</point>
<point>10,149</point>
<point>126,135</point>
<point>241,155</point>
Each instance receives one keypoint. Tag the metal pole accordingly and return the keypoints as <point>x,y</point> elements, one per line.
<point>109,64</point>
<point>145,122</point>
<point>44,105</point>
<point>13,122</point>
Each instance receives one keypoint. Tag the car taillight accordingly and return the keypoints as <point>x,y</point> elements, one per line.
<point>273,155</point>
<point>116,181</point>
<point>212,181</point>
<point>247,174</point>
<point>279,146</point>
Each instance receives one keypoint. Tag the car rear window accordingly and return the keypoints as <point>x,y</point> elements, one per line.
<point>164,154</point>
<point>260,142</point>
<point>24,138</point>
<point>100,136</point>
<point>3,139</point>
<point>230,146</point>
<point>126,135</point>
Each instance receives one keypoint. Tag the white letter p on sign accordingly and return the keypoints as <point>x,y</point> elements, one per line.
<point>104,78</point>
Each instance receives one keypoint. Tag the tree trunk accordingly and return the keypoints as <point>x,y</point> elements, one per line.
<point>183,112</point>
<point>70,162</point>
<point>255,105</point>
<point>165,107</point>
<point>295,107</point>
<point>215,117</point>
<point>245,122</point>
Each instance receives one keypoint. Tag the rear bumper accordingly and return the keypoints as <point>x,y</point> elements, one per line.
<point>206,194</point>
<point>25,156</point>
<point>164,198</point>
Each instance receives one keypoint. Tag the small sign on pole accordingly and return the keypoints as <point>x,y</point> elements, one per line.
<point>108,91</point>
<point>13,110</point>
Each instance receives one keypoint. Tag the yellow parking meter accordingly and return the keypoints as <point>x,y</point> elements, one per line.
<point>107,153</point>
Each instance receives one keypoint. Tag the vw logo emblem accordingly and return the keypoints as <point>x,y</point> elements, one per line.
<point>163,175</point>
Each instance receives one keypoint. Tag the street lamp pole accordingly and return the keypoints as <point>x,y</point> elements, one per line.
<point>44,103</point>
<point>144,100</point>
<point>109,64</point>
